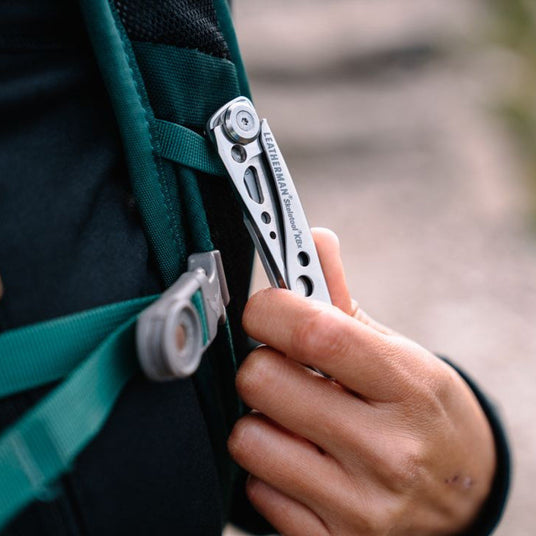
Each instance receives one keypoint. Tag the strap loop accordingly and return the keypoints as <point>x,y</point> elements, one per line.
<point>186,147</point>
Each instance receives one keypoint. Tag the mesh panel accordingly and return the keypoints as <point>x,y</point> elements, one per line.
<point>183,23</point>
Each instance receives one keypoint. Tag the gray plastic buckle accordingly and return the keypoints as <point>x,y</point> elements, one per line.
<point>170,335</point>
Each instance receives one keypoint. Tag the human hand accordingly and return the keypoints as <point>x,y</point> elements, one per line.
<point>395,444</point>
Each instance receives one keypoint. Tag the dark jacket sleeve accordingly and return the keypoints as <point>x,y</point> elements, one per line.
<point>245,517</point>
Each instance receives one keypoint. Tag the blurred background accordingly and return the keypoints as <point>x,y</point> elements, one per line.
<point>410,129</point>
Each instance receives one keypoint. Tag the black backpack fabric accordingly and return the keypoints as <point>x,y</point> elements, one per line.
<point>159,461</point>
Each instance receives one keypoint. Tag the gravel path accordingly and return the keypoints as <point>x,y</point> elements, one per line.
<point>383,110</point>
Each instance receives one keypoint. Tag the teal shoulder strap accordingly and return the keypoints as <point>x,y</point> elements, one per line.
<point>92,354</point>
<point>95,352</point>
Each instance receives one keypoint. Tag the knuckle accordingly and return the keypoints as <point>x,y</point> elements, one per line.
<point>375,527</point>
<point>256,372</point>
<point>238,440</point>
<point>304,335</point>
<point>253,309</point>
<point>383,517</point>
<point>368,512</point>
<point>371,524</point>
<point>416,376</point>
<point>253,487</point>
<point>406,470</point>
<point>252,491</point>
<point>431,403</point>
<point>444,385</point>
<point>431,394</point>
<point>318,332</point>
<point>398,358</point>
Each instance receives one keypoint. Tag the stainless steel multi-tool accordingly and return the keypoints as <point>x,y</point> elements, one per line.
<point>272,210</point>
<point>173,333</point>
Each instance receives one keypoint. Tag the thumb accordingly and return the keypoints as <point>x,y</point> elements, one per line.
<point>329,253</point>
<point>328,247</point>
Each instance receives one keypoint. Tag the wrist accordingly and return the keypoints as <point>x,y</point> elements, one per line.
<point>491,510</point>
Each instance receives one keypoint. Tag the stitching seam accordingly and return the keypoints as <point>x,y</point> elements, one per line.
<point>147,125</point>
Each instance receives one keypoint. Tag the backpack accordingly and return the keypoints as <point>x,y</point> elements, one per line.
<point>162,95</point>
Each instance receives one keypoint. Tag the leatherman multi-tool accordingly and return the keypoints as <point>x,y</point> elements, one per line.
<point>272,210</point>
<point>173,333</point>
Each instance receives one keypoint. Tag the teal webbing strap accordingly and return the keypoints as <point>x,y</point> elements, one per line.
<point>197,216</point>
<point>44,442</point>
<point>41,353</point>
<point>188,148</point>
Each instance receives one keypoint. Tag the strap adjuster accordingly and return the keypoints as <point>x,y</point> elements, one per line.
<point>174,332</point>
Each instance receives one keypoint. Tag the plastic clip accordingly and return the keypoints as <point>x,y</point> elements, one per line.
<point>174,332</point>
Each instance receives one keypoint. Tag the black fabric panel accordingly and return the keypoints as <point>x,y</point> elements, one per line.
<point>183,23</point>
<point>70,239</point>
<point>151,469</point>
<point>26,25</point>
<point>230,236</point>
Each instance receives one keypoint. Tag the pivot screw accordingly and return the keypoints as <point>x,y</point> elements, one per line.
<point>241,123</point>
<point>245,120</point>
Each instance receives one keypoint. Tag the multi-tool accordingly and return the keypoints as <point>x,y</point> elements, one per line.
<point>272,210</point>
<point>173,333</point>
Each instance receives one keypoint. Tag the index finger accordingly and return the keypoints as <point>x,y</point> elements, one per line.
<point>323,337</point>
